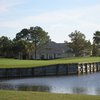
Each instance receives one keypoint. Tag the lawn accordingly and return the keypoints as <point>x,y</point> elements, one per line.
<point>19,95</point>
<point>28,95</point>
<point>15,63</point>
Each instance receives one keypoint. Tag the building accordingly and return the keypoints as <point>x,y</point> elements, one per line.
<point>53,50</point>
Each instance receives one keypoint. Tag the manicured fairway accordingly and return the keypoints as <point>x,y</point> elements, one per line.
<point>16,95</point>
<point>13,63</point>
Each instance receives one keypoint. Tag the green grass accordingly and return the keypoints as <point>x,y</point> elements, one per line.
<point>19,95</point>
<point>14,63</point>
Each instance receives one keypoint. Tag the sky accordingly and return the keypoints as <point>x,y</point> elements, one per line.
<point>57,17</point>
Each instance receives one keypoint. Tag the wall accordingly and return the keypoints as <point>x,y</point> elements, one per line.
<point>51,70</point>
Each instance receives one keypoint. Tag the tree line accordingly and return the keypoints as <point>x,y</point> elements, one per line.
<point>29,40</point>
<point>26,41</point>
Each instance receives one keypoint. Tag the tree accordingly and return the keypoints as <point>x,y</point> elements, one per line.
<point>35,35</point>
<point>79,44</point>
<point>96,44</point>
<point>95,50</point>
<point>5,47</point>
<point>39,37</point>
<point>22,35</point>
<point>19,49</point>
<point>96,37</point>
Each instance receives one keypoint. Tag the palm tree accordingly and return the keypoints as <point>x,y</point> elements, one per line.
<point>96,43</point>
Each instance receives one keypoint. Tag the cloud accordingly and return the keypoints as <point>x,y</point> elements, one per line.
<point>54,17</point>
<point>6,5</point>
<point>60,22</point>
<point>45,18</point>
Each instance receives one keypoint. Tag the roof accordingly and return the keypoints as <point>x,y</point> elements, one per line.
<point>53,47</point>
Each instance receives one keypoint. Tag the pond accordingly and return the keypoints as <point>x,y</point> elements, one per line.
<point>83,84</point>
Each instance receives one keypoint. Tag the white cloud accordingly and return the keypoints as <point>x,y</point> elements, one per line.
<point>56,17</point>
<point>6,5</point>
<point>53,18</point>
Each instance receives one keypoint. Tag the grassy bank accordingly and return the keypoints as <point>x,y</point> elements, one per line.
<point>13,63</point>
<point>16,95</point>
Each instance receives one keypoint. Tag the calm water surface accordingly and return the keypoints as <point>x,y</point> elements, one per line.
<point>84,84</point>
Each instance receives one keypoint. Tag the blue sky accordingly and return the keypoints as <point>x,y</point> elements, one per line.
<point>58,17</point>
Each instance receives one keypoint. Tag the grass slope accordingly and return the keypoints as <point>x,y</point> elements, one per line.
<point>16,95</point>
<point>14,63</point>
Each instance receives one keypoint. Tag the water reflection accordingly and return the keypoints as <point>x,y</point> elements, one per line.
<point>87,84</point>
<point>24,87</point>
<point>79,90</point>
<point>97,91</point>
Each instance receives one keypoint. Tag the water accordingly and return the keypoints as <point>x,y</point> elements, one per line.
<point>84,84</point>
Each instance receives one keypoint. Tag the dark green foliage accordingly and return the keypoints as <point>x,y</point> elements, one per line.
<point>24,44</point>
<point>22,35</point>
<point>22,48</point>
<point>34,34</point>
<point>30,39</point>
<point>79,45</point>
<point>6,47</point>
<point>96,44</point>
<point>96,37</point>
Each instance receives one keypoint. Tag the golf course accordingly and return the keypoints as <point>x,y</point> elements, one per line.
<point>22,95</point>
<point>15,63</point>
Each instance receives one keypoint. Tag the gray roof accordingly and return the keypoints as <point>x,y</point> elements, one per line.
<point>53,47</point>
